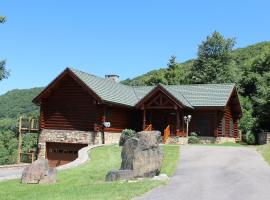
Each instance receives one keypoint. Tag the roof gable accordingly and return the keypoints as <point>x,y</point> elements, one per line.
<point>54,84</point>
<point>160,88</point>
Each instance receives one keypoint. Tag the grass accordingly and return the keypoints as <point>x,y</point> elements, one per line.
<point>87,181</point>
<point>265,151</point>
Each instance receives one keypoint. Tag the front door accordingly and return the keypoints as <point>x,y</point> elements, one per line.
<point>171,120</point>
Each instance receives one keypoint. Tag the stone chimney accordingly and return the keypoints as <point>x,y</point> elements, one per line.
<point>112,77</point>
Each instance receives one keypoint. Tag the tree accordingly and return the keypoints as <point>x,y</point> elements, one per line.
<point>3,71</point>
<point>215,62</point>
<point>172,62</point>
<point>255,87</point>
<point>2,19</point>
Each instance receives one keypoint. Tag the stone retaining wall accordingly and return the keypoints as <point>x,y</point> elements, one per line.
<point>203,140</point>
<point>177,140</point>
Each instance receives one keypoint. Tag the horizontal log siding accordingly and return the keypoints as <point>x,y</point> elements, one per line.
<point>228,116</point>
<point>69,107</point>
<point>119,118</point>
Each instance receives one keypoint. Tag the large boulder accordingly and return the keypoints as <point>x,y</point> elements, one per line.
<point>141,157</point>
<point>39,172</point>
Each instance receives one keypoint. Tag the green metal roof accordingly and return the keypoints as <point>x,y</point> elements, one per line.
<point>191,96</point>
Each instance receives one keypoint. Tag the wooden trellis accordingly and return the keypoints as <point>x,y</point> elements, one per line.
<point>26,125</point>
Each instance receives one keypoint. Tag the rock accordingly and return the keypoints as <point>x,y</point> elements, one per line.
<point>143,155</point>
<point>161,177</point>
<point>38,172</point>
<point>118,175</point>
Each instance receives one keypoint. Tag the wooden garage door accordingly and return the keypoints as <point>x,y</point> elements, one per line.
<point>62,153</point>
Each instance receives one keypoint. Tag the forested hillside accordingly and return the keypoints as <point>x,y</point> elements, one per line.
<point>243,59</point>
<point>14,104</point>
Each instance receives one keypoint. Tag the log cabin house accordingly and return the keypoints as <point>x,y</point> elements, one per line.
<point>74,107</point>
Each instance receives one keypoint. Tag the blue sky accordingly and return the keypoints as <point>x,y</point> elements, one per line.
<point>128,38</point>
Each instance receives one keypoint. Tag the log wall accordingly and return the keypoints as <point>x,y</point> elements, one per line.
<point>69,107</point>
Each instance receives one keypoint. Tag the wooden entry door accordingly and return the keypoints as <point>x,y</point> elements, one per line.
<point>171,120</point>
<point>62,153</point>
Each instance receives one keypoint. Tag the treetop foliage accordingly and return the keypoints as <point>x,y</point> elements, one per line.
<point>218,62</point>
<point>2,19</point>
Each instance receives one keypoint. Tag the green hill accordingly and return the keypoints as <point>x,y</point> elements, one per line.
<point>243,58</point>
<point>18,102</point>
<point>14,104</point>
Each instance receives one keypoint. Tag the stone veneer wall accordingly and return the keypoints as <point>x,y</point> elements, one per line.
<point>203,140</point>
<point>76,137</point>
<point>177,140</point>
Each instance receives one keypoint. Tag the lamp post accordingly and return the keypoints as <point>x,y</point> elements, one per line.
<point>187,120</point>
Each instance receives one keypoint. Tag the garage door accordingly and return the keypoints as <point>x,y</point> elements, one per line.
<point>62,153</point>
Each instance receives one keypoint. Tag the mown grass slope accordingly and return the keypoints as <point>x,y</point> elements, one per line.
<point>87,181</point>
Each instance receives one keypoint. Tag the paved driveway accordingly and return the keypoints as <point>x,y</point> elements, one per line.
<point>11,173</point>
<point>217,173</point>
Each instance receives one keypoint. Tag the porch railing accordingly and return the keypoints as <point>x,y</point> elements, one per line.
<point>166,134</point>
<point>148,127</point>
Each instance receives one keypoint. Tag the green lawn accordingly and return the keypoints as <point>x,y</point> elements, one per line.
<point>265,151</point>
<point>87,181</point>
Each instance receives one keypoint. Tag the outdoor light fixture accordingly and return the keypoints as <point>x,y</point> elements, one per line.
<point>187,120</point>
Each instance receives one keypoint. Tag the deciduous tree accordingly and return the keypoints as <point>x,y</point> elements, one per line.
<point>215,62</point>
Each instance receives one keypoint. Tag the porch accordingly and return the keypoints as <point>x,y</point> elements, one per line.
<point>168,121</point>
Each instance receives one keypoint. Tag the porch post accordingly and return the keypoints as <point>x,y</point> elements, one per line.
<point>177,122</point>
<point>144,118</point>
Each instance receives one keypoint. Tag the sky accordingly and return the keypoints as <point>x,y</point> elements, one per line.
<point>129,38</point>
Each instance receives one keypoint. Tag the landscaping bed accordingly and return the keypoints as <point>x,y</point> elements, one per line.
<point>87,181</point>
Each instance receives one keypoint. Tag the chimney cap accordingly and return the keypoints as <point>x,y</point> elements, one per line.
<point>113,77</point>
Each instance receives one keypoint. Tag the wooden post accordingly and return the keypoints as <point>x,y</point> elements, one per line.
<point>33,157</point>
<point>183,123</point>
<point>144,118</point>
<point>177,122</point>
<point>103,128</point>
<point>20,141</point>
<point>216,124</point>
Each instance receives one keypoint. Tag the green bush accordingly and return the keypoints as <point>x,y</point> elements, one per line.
<point>126,134</point>
<point>250,138</point>
<point>193,138</point>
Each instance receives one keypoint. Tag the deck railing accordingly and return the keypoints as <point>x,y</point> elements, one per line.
<point>166,134</point>
<point>148,127</point>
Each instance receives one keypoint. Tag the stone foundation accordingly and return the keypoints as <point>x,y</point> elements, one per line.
<point>76,137</point>
<point>207,140</point>
<point>177,140</point>
<point>203,140</point>
<point>220,140</point>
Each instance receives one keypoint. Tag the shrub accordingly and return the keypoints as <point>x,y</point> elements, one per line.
<point>250,138</point>
<point>193,138</point>
<point>126,134</point>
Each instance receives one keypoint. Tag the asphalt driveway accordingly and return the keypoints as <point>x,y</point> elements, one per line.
<point>217,173</point>
<point>11,173</point>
